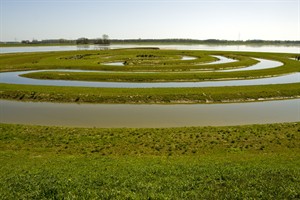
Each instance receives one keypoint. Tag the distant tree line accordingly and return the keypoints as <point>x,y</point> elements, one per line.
<point>104,40</point>
<point>208,41</point>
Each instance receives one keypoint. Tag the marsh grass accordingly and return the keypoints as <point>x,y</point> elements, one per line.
<point>149,95</point>
<point>151,142</point>
<point>39,162</point>
<point>236,162</point>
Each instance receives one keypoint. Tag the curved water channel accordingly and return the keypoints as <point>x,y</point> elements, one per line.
<point>15,78</point>
<point>263,64</point>
<point>221,60</point>
<point>126,115</point>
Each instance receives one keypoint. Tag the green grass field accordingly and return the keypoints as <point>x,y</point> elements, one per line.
<point>256,162</point>
<point>233,162</point>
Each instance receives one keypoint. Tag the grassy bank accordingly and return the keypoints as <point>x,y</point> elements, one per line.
<point>149,95</point>
<point>257,161</point>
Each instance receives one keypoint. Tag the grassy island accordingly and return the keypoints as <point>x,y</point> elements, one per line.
<point>145,65</point>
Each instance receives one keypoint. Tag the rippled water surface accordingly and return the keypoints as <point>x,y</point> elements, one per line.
<point>124,115</point>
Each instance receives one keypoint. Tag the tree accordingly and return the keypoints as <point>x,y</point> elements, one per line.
<point>62,41</point>
<point>82,41</point>
<point>98,41</point>
<point>25,42</point>
<point>105,39</point>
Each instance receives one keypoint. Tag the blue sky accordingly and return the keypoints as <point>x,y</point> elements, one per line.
<point>126,19</point>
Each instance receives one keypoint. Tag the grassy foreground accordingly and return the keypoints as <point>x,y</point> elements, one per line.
<point>241,162</point>
<point>149,95</point>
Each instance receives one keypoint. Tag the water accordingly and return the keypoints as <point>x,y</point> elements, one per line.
<point>221,60</point>
<point>125,115</point>
<point>263,64</point>
<point>114,64</point>
<point>249,48</point>
<point>52,48</point>
<point>14,78</point>
<point>188,58</point>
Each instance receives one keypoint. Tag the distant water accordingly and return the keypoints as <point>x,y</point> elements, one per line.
<point>254,48</point>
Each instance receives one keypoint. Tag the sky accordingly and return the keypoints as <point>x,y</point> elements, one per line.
<point>150,19</point>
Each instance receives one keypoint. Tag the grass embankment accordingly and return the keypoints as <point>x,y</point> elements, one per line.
<point>149,95</point>
<point>167,64</point>
<point>257,161</point>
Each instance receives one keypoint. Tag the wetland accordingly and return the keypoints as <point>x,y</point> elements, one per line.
<point>54,150</point>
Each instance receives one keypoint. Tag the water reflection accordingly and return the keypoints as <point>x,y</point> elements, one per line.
<point>101,47</point>
<point>83,47</point>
